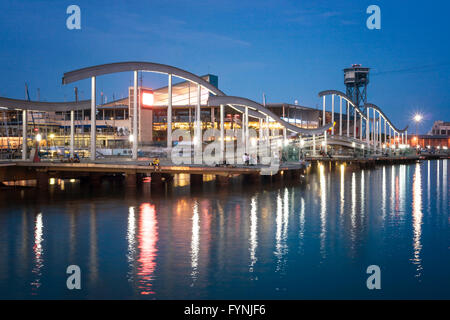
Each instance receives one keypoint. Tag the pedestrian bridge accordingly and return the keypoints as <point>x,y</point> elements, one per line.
<point>344,126</point>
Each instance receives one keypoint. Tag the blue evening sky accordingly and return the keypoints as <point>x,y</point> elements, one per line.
<point>289,50</point>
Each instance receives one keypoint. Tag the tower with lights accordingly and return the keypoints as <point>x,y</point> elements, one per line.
<point>356,80</point>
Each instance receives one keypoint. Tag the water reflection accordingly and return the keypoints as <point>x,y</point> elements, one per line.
<point>438,184</point>
<point>302,222</point>
<point>131,238</point>
<point>323,209</point>
<point>147,239</point>
<point>417,219</point>
<point>429,185</point>
<point>195,242</point>
<point>402,184</point>
<point>397,194</point>
<point>363,195</point>
<point>393,188</point>
<point>200,246</point>
<point>282,220</point>
<point>93,249</point>
<point>383,192</point>
<point>342,189</point>
<point>353,212</point>
<point>253,232</point>
<point>444,182</point>
<point>279,225</point>
<point>38,253</point>
<point>72,233</point>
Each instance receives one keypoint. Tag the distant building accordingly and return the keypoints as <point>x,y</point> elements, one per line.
<point>437,137</point>
<point>440,128</point>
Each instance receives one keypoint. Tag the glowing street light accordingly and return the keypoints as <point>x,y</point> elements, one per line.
<point>38,137</point>
<point>131,138</point>
<point>418,117</point>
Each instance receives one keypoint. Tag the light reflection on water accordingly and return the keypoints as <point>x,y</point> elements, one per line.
<point>195,242</point>
<point>147,241</point>
<point>309,239</point>
<point>38,254</point>
<point>417,218</point>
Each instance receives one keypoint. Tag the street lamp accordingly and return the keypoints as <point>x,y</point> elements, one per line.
<point>417,118</point>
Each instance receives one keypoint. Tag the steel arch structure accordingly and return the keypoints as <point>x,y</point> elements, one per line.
<point>373,125</point>
<point>18,104</point>
<point>247,103</point>
<point>371,105</point>
<point>248,107</point>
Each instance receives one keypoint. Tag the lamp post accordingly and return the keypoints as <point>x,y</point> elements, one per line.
<point>417,119</point>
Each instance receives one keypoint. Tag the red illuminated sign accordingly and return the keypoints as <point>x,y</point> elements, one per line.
<point>147,98</point>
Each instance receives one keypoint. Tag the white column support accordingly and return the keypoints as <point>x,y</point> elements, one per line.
<point>332,114</point>
<point>355,120</point>
<point>198,129</point>
<point>385,132</point>
<point>314,144</point>
<point>222,131</point>
<point>406,137</point>
<point>72,133</point>
<point>24,135</point>
<point>360,130</point>
<point>93,122</point>
<point>340,116</point>
<point>323,113</point>
<point>169,114</point>
<point>260,128</point>
<point>373,130</point>
<point>380,142</point>
<point>260,136</point>
<point>390,136</point>
<point>368,129</point>
<point>348,118</point>
<point>246,130</point>
<point>135,117</point>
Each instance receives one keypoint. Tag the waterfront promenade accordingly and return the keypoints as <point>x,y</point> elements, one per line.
<point>133,172</point>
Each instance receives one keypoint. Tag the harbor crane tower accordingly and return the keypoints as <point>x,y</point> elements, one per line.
<point>356,80</point>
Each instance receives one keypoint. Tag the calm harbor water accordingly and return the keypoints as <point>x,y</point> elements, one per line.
<point>303,240</point>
